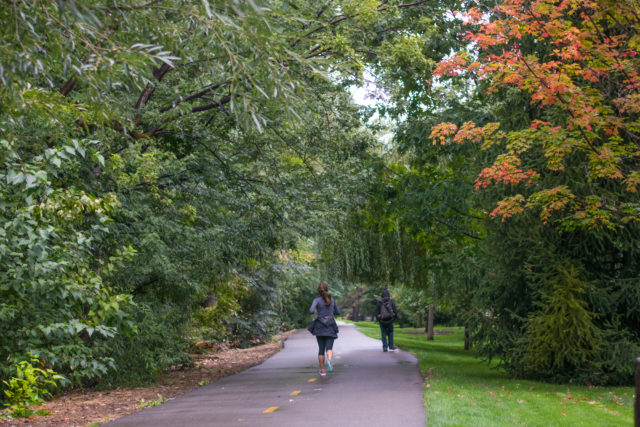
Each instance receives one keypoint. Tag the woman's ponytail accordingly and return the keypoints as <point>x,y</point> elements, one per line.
<point>323,290</point>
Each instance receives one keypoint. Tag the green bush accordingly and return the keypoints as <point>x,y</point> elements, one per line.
<point>29,387</point>
<point>156,345</point>
<point>562,340</point>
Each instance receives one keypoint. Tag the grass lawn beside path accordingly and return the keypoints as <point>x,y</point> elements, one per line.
<point>461,390</point>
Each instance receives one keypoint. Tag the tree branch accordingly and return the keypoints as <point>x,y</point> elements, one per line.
<point>194,96</point>
<point>204,107</point>
<point>214,104</point>
<point>466,214</point>
<point>158,73</point>
<point>142,6</point>
<point>341,18</point>
<point>438,220</point>
<point>68,86</point>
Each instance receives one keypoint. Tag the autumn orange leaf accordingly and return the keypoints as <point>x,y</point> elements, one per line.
<point>591,75</point>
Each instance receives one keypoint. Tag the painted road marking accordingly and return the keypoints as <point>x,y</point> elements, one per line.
<point>295,393</point>
<point>269,410</point>
<point>311,380</point>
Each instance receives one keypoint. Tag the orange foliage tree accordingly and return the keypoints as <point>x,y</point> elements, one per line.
<point>587,74</point>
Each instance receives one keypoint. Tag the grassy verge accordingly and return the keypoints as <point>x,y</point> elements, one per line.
<point>461,390</point>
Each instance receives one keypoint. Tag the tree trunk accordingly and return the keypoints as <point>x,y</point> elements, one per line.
<point>430,324</point>
<point>467,339</point>
<point>420,320</point>
<point>355,313</point>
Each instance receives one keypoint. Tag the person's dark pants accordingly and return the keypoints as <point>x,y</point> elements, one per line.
<point>324,344</point>
<point>386,330</point>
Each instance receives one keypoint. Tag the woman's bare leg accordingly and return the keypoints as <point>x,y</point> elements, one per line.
<point>321,360</point>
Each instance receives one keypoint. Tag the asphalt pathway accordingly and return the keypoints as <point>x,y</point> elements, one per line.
<point>367,388</point>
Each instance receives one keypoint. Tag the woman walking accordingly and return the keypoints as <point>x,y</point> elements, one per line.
<point>324,327</point>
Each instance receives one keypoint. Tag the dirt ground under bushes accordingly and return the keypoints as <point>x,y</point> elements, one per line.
<point>80,408</point>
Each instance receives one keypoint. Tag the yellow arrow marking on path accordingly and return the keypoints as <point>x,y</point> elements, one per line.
<point>269,410</point>
<point>311,380</point>
<point>295,393</point>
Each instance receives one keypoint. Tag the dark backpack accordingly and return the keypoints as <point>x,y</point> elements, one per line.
<point>386,312</point>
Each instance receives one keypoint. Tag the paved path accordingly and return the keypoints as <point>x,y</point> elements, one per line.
<point>367,388</point>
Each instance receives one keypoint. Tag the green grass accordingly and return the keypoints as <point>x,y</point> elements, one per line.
<point>462,390</point>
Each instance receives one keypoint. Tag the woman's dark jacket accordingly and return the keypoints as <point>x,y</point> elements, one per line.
<point>324,324</point>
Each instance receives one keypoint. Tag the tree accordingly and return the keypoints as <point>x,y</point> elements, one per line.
<point>562,183</point>
<point>577,62</point>
<point>155,153</point>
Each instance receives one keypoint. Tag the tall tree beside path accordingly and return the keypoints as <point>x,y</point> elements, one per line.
<point>572,160</point>
<point>155,153</point>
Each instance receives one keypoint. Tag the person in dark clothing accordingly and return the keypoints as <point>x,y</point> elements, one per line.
<point>386,313</point>
<point>324,327</point>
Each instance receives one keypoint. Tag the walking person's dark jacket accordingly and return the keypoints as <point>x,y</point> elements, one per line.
<point>385,299</point>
